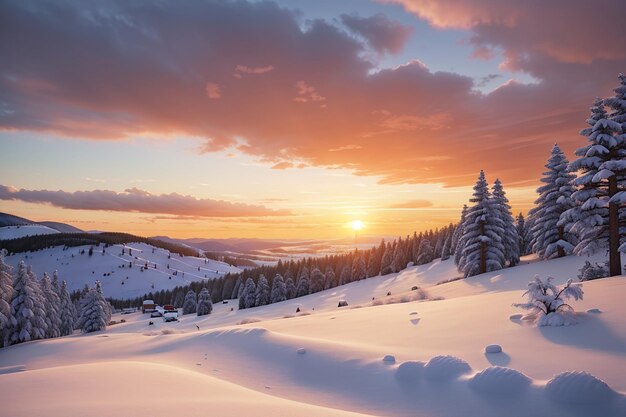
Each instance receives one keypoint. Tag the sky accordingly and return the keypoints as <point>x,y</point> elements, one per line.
<point>290,118</point>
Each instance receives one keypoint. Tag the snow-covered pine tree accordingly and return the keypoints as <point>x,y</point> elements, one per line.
<point>303,284</point>
<point>458,232</point>
<point>6,293</point>
<point>438,248</point>
<point>510,239</point>
<point>344,277</point>
<point>96,312</point>
<point>290,287</point>
<point>27,307</point>
<point>359,271</point>
<point>235,293</point>
<point>53,305</point>
<point>445,251</point>
<point>331,278</point>
<point>549,239</point>
<point>524,233</point>
<point>481,244</point>
<point>385,263</point>
<point>249,293</point>
<point>425,252</point>
<point>398,257</point>
<point>262,293</point>
<point>190,305</point>
<point>67,312</point>
<point>205,305</point>
<point>602,177</point>
<point>317,280</point>
<point>279,290</point>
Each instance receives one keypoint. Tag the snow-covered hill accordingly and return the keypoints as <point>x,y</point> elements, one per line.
<point>327,360</point>
<point>14,232</point>
<point>112,268</point>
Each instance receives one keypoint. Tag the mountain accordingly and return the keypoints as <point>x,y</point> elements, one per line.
<point>7,220</point>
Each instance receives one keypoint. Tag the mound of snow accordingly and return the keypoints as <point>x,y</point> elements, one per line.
<point>446,367</point>
<point>594,311</point>
<point>12,369</point>
<point>409,371</point>
<point>578,387</point>
<point>301,351</point>
<point>556,319</point>
<point>493,349</point>
<point>389,359</point>
<point>499,380</point>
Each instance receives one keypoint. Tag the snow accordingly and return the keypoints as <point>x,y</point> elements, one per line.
<point>80,270</point>
<point>14,232</point>
<point>493,349</point>
<point>256,369</point>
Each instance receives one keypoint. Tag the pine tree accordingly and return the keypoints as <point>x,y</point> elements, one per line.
<point>53,305</point>
<point>317,281</point>
<point>445,251</point>
<point>425,253</point>
<point>205,305</point>
<point>387,259</point>
<point>398,257</point>
<point>330,277</point>
<point>262,293</point>
<point>290,287</point>
<point>359,271</point>
<point>438,249</point>
<point>27,308</point>
<point>302,286</point>
<point>6,293</point>
<point>549,239</point>
<point>456,237</point>
<point>524,231</point>
<point>190,305</point>
<point>67,312</point>
<point>600,187</point>
<point>279,290</point>
<point>481,244</point>
<point>96,312</point>
<point>249,294</point>
<point>510,239</point>
<point>344,277</point>
<point>236,289</point>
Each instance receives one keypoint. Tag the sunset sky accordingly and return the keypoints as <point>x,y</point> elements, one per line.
<point>290,119</point>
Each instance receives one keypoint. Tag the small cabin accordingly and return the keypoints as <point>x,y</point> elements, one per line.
<point>148,306</point>
<point>342,303</point>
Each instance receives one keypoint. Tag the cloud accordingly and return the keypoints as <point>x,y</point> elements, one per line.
<point>136,200</point>
<point>282,165</point>
<point>381,33</point>
<point>65,70</point>
<point>213,90</point>
<point>414,204</point>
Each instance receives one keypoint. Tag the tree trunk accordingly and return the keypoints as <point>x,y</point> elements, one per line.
<point>560,251</point>
<point>614,257</point>
<point>483,250</point>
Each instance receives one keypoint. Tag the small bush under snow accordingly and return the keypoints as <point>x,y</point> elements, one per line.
<point>578,387</point>
<point>546,302</point>
<point>499,380</point>
<point>301,351</point>
<point>445,368</point>
<point>593,271</point>
<point>410,371</point>
<point>389,359</point>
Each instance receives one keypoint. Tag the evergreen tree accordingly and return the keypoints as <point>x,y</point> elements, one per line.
<point>456,237</point>
<point>524,232</point>
<point>262,293</point>
<point>344,277</point>
<point>549,239</point>
<point>438,249</point>
<point>445,251</point>
<point>398,257</point>
<point>236,289</point>
<point>387,259</point>
<point>290,288</point>
<point>53,305</point>
<point>481,244</point>
<point>601,186</point>
<point>302,286</point>
<point>6,293</point>
<point>190,305</point>
<point>67,312</point>
<point>96,312</point>
<point>510,239</point>
<point>205,305</point>
<point>317,281</point>
<point>249,294</point>
<point>359,271</point>
<point>331,278</point>
<point>425,253</point>
<point>27,307</point>
<point>279,290</point>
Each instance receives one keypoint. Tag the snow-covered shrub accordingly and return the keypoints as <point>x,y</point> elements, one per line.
<point>445,367</point>
<point>95,311</point>
<point>578,387</point>
<point>499,380</point>
<point>546,301</point>
<point>591,271</point>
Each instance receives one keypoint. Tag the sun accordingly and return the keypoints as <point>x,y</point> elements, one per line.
<point>357,225</point>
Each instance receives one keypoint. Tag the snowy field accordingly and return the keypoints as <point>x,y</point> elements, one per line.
<point>15,232</point>
<point>414,358</point>
<point>112,268</point>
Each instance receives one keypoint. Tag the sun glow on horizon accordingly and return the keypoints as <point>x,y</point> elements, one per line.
<point>357,225</point>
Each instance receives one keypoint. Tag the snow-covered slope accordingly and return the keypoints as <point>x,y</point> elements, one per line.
<point>14,232</point>
<point>328,360</point>
<point>112,268</point>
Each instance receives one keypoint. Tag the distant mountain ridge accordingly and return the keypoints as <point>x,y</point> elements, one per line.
<point>11,220</point>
